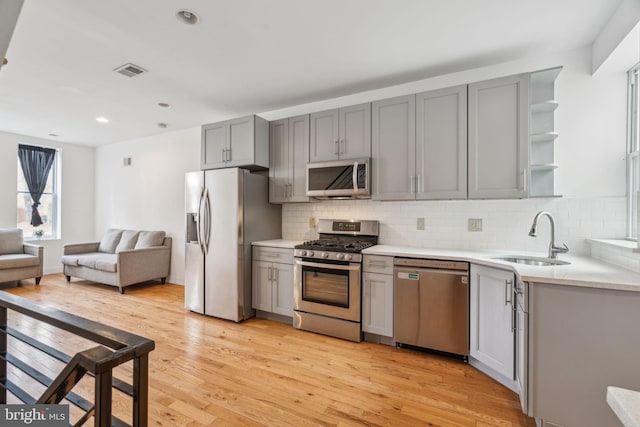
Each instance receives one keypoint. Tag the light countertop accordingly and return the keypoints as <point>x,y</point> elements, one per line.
<point>278,243</point>
<point>583,271</point>
<point>625,404</point>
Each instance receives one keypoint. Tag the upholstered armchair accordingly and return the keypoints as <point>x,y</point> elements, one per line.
<point>19,260</point>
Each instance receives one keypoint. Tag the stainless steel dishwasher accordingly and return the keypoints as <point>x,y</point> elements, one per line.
<point>431,304</point>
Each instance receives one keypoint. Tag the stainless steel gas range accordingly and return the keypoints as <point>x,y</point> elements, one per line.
<point>328,278</point>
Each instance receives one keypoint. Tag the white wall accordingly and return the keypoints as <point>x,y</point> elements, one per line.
<point>590,150</point>
<point>591,121</point>
<point>149,194</point>
<point>77,193</point>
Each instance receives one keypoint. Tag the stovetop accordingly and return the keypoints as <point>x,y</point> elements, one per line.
<point>337,245</point>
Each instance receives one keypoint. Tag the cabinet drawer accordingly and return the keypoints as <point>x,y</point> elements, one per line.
<point>264,253</point>
<point>378,264</point>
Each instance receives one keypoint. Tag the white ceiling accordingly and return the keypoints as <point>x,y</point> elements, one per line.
<point>252,56</point>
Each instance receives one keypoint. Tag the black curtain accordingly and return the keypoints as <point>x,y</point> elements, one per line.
<point>36,163</point>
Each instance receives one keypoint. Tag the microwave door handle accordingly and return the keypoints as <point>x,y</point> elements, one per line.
<point>355,177</point>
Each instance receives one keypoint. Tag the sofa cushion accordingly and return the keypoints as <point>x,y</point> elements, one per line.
<point>18,261</point>
<point>148,239</point>
<point>99,261</point>
<point>71,260</point>
<point>110,241</point>
<point>10,241</point>
<point>127,241</point>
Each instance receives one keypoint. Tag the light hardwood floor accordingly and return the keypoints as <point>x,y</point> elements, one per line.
<point>206,371</point>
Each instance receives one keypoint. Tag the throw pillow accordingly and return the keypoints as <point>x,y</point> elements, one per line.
<point>110,240</point>
<point>11,241</point>
<point>127,241</point>
<point>148,239</point>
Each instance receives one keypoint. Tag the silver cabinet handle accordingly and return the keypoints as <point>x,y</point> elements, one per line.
<point>269,273</point>
<point>513,318</point>
<point>342,146</point>
<point>524,179</point>
<point>290,187</point>
<point>336,147</point>
<point>411,182</point>
<point>508,290</point>
<point>284,191</point>
<point>224,155</point>
<point>419,184</point>
<point>229,155</point>
<point>276,274</point>
<point>377,264</point>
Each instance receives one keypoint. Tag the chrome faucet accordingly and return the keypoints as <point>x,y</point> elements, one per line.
<point>554,249</point>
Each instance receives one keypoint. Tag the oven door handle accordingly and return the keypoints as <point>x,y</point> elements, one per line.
<point>328,266</point>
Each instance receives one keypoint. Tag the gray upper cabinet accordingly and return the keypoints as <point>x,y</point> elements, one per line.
<point>343,133</point>
<point>241,142</point>
<point>393,146</point>
<point>441,144</point>
<point>498,138</point>
<point>289,154</point>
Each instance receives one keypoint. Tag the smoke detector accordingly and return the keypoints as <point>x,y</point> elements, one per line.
<point>130,70</point>
<point>187,17</point>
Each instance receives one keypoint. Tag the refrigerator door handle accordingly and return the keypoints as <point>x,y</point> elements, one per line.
<point>199,223</point>
<point>207,221</point>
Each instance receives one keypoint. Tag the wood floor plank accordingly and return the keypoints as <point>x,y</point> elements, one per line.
<point>211,372</point>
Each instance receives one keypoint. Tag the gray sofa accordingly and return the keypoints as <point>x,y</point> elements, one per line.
<point>19,260</point>
<point>121,258</point>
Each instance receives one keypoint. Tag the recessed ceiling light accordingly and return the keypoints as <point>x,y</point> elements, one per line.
<point>163,105</point>
<point>102,119</point>
<point>54,134</point>
<point>162,125</point>
<point>187,17</point>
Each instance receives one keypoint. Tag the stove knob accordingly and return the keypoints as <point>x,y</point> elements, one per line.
<point>303,253</point>
<point>340,256</point>
<point>310,253</point>
<point>325,255</point>
<point>349,257</point>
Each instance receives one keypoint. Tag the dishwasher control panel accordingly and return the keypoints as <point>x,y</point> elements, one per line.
<point>432,263</point>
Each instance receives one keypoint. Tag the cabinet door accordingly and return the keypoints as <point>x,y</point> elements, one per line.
<point>298,158</point>
<point>261,283</point>
<point>324,136</point>
<point>355,132</point>
<point>441,144</point>
<point>491,319</point>
<point>240,137</point>
<point>282,289</point>
<point>279,166</point>
<point>377,304</point>
<point>214,137</point>
<point>393,146</point>
<point>498,138</point>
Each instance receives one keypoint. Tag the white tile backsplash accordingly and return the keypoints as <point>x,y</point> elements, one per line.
<point>505,226</point>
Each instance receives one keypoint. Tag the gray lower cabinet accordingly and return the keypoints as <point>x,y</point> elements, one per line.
<point>492,321</point>
<point>499,137</point>
<point>288,157</point>
<point>377,295</point>
<point>272,280</point>
<point>343,133</point>
<point>581,341</point>
<point>241,142</point>
<point>419,145</point>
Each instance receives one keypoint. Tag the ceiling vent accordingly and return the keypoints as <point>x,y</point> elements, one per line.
<point>130,70</point>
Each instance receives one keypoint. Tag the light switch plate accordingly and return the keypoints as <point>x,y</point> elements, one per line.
<point>420,224</point>
<point>312,222</point>
<point>474,224</point>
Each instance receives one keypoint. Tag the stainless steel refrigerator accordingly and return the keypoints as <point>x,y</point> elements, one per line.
<point>226,210</point>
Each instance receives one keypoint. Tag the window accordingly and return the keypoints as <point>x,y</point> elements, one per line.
<point>49,206</point>
<point>633,152</point>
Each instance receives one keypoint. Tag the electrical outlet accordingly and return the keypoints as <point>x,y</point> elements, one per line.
<point>312,222</point>
<point>474,224</point>
<point>420,224</point>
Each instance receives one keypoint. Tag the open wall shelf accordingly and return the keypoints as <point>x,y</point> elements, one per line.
<point>542,134</point>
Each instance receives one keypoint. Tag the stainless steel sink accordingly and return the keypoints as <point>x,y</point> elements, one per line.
<point>530,260</point>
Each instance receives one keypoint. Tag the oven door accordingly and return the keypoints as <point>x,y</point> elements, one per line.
<point>327,289</point>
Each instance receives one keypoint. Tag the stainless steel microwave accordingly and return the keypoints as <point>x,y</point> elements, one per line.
<point>340,179</point>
